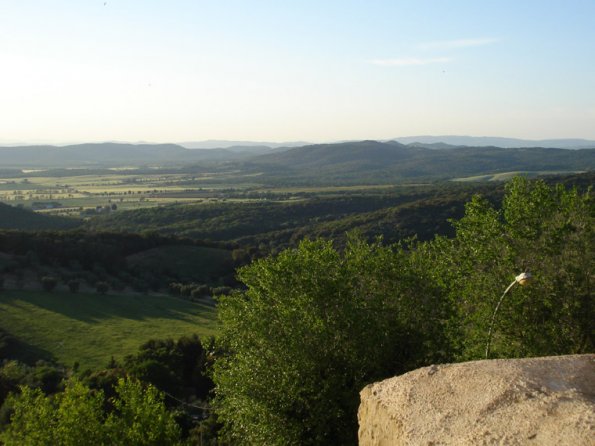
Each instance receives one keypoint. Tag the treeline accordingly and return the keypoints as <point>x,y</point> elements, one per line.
<point>102,257</point>
<point>86,248</point>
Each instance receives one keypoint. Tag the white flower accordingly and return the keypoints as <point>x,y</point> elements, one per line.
<point>523,278</point>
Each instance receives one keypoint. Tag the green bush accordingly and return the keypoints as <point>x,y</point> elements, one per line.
<point>76,416</point>
<point>314,326</point>
<point>546,230</point>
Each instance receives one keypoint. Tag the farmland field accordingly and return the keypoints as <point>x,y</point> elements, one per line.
<point>507,176</point>
<point>73,194</point>
<point>90,328</point>
<point>87,195</point>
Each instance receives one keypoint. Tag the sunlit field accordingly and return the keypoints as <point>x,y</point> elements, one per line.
<point>90,328</point>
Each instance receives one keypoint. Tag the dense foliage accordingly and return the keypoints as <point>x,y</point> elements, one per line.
<point>545,230</point>
<point>82,249</point>
<point>17,218</point>
<point>313,328</point>
<point>177,367</point>
<point>142,262</point>
<point>76,416</point>
<point>316,324</point>
<point>155,396</point>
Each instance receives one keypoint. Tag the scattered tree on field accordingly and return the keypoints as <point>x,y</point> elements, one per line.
<point>73,285</point>
<point>48,283</point>
<point>102,287</point>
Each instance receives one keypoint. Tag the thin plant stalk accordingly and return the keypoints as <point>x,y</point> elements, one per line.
<point>522,279</point>
<point>494,317</point>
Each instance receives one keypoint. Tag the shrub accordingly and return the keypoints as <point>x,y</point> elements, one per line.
<point>221,291</point>
<point>175,288</point>
<point>186,290</point>
<point>48,283</point>
<point>76,416</point>
<point>102,287</point>
<point>201,291</point>
<point>73,285</point>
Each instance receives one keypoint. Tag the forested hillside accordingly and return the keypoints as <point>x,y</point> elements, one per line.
<point>270,226</point>
<point>16,218</point>
<point>121,261</point>
<point>356,162</point>
<point>372,161</point>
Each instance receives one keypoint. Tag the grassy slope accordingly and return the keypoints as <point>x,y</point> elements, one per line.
<point>90,328</point>
<point>507,176</point>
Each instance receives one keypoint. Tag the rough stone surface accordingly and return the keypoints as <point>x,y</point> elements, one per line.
<point>534,401</point>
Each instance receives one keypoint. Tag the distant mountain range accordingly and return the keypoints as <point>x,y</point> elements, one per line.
<point>110,155</point>
<point>444,141</point>
<point>349,161</point>
<point>234,145</point>
<point>485,141</point>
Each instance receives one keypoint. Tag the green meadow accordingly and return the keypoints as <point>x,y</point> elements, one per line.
<point>507,176</point>
<point>91,328</point>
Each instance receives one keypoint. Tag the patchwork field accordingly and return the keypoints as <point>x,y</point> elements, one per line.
<point>90,329</point>
<point>121,190</point>
<point>93,194</point>
<point>507,176</point>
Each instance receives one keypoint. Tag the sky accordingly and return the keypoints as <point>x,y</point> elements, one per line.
<point>176,70</point>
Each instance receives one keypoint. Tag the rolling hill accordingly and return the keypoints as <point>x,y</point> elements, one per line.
<point>479,141</point>
<point>363,162</point>
<point>377,161</point>
<point>17,218</point>
<point>109,155</point>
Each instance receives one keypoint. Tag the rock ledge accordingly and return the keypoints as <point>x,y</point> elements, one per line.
<point>533,401</point>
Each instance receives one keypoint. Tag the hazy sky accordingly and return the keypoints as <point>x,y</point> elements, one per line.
<point>173,70</point>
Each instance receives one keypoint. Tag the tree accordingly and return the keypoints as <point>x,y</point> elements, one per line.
<point>313,327</point>
<point>72,415</point>
<point>102,287</point>
<point>140,416</point>
<point>48,283</point>
<point>200,291</point>
<point>76,416</point>
<point>73,285</point>
<point>176,367</point>
<point>542,229</point>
